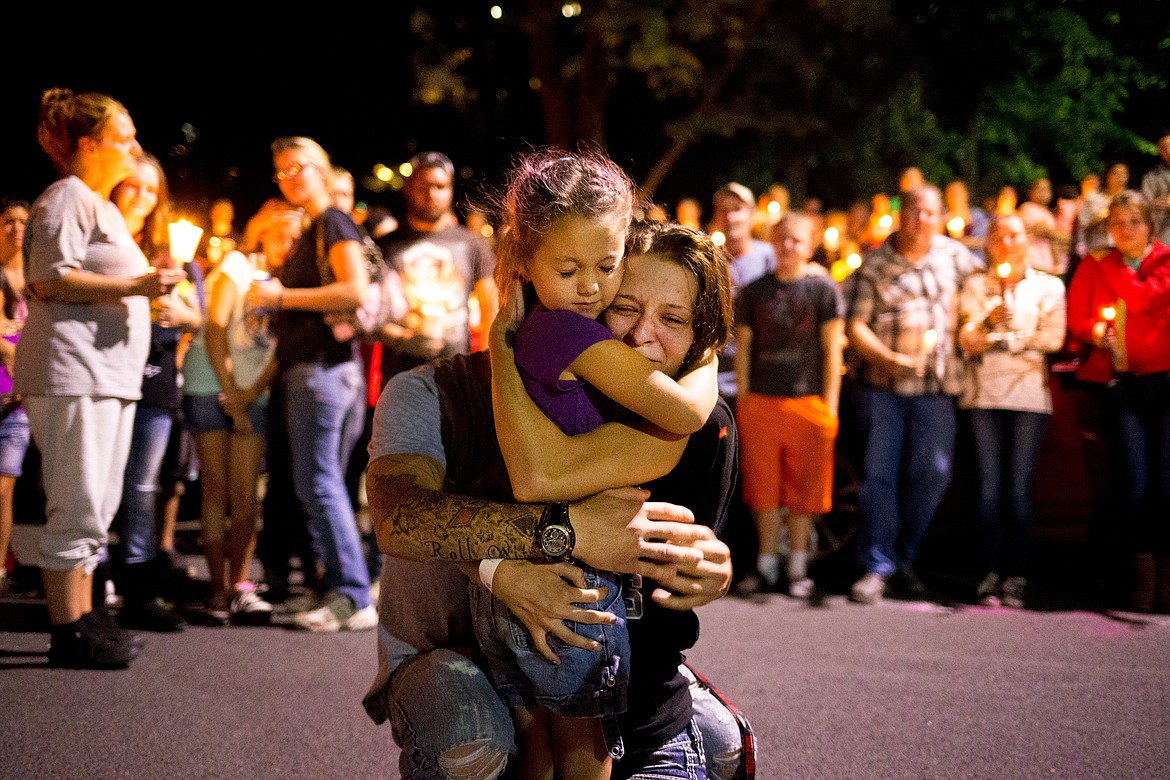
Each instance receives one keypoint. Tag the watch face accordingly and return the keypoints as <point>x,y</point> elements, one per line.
<point>554,540</point>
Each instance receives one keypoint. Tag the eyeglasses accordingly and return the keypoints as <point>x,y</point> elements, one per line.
<point>292,171</point>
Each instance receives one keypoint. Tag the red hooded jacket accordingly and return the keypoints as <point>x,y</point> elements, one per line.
<point>1142,303</point>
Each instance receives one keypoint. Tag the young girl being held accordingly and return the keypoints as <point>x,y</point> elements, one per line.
<point>560,251</point>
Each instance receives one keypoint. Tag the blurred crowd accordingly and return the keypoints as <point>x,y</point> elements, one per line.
<point>894,325</point>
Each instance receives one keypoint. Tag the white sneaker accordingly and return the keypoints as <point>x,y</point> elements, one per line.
<point>248,609</point>
<point>337,613</point>
<point>362,620</point>
<point>801,588</point>
<point>868,589</point>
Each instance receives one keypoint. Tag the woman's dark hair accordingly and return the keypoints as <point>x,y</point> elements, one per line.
<point>708,263</point>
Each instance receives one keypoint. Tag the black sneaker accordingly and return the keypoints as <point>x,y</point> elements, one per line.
<point>987,592</point>
<point>85,644</point>
<point>1013,592</point>
<point>751,584</point>
<point>904,584</point>
<point>152,615</point>
<point>100,621</point>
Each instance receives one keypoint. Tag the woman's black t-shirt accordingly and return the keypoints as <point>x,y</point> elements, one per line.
<point>703,481</point>
<point>303,336</point>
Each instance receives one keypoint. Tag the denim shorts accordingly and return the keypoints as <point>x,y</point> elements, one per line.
<point>13,443</point>
<point>585,684</point>
<point>203,414</point>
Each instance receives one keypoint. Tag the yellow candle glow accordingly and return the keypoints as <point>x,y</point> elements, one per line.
<point>955,226</point>
<point>1108,314</point>
<point>929,340</point>
<point>1004,270</point>
<point>184,240</point>
<point>832,240</point>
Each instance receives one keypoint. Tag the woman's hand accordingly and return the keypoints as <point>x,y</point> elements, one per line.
<point>697,583</point>
<point>172,312</point>
<point>507,321</point>
<point>156,282</point>
<point>266,294</point>
<point>542,596</point>
<point>1104,336</point>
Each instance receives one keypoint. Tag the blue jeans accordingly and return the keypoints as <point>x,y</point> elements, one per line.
<point>1140,407</point>
<point>585,684</point>
<point>14,439</point>
<point>909,452</point>
<point>135,519</point>
<point>681,758</point>
<point>1006,445</point>
<point>440,701</point>
<point>325,411</point>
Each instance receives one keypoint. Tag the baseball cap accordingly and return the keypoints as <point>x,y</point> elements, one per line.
<point>739,191</point>
<point>432,160</point>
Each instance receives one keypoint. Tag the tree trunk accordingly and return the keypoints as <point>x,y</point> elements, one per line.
<point>711,95</point>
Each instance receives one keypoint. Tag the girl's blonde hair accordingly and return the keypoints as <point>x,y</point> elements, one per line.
<point>545,185</point>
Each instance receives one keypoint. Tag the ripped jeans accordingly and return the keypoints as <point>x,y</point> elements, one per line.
<point>451,725</point>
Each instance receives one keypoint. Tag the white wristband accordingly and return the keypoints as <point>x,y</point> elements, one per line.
<point>487,571</point>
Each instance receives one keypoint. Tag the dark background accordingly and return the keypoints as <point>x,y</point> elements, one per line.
<point>210,89</point>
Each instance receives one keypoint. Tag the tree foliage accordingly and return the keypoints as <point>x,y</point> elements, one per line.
<point>831,98</point>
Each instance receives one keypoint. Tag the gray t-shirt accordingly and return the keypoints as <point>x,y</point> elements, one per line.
<point>422,606</point>
<point>91,349</point>
<point>759,260</point>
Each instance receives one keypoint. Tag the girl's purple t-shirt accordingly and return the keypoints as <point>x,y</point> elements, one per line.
<point>547,343</point>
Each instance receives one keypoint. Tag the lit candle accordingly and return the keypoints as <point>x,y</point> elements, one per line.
<point>1108,314</point>
<point>832,239</point>
<point>929,340</point>
<point>955,226</point>
<point>1003,271</point>
<point>184,240</point>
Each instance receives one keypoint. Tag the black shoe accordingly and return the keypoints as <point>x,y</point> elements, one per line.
<point>100,621</point>
<point>751,584</point>
<point>85,644</point>
<point>904,584</point>
<point>152,615</point>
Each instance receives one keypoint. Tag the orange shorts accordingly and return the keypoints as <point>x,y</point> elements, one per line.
<point>786,452</point>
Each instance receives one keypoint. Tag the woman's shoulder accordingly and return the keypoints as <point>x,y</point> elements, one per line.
<point>234,266</point>
<point>68,191</point>
<point>339,226</point>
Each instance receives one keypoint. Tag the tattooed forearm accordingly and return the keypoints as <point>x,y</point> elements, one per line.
<point>414,519</point>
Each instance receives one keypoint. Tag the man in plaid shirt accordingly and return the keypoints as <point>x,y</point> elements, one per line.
<point>901,325</point>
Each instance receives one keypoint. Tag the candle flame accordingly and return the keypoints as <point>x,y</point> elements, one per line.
<point>929,339</point>
<point>184,238</point>
<point>1004,270</point>
<point>1108,313</point>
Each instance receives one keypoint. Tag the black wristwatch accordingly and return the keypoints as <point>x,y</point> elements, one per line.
<point>554,534</point>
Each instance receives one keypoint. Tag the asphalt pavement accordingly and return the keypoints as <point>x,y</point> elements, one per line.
<point>1068,688</point>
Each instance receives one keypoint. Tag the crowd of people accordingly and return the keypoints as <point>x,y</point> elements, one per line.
<point>554,408</point>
